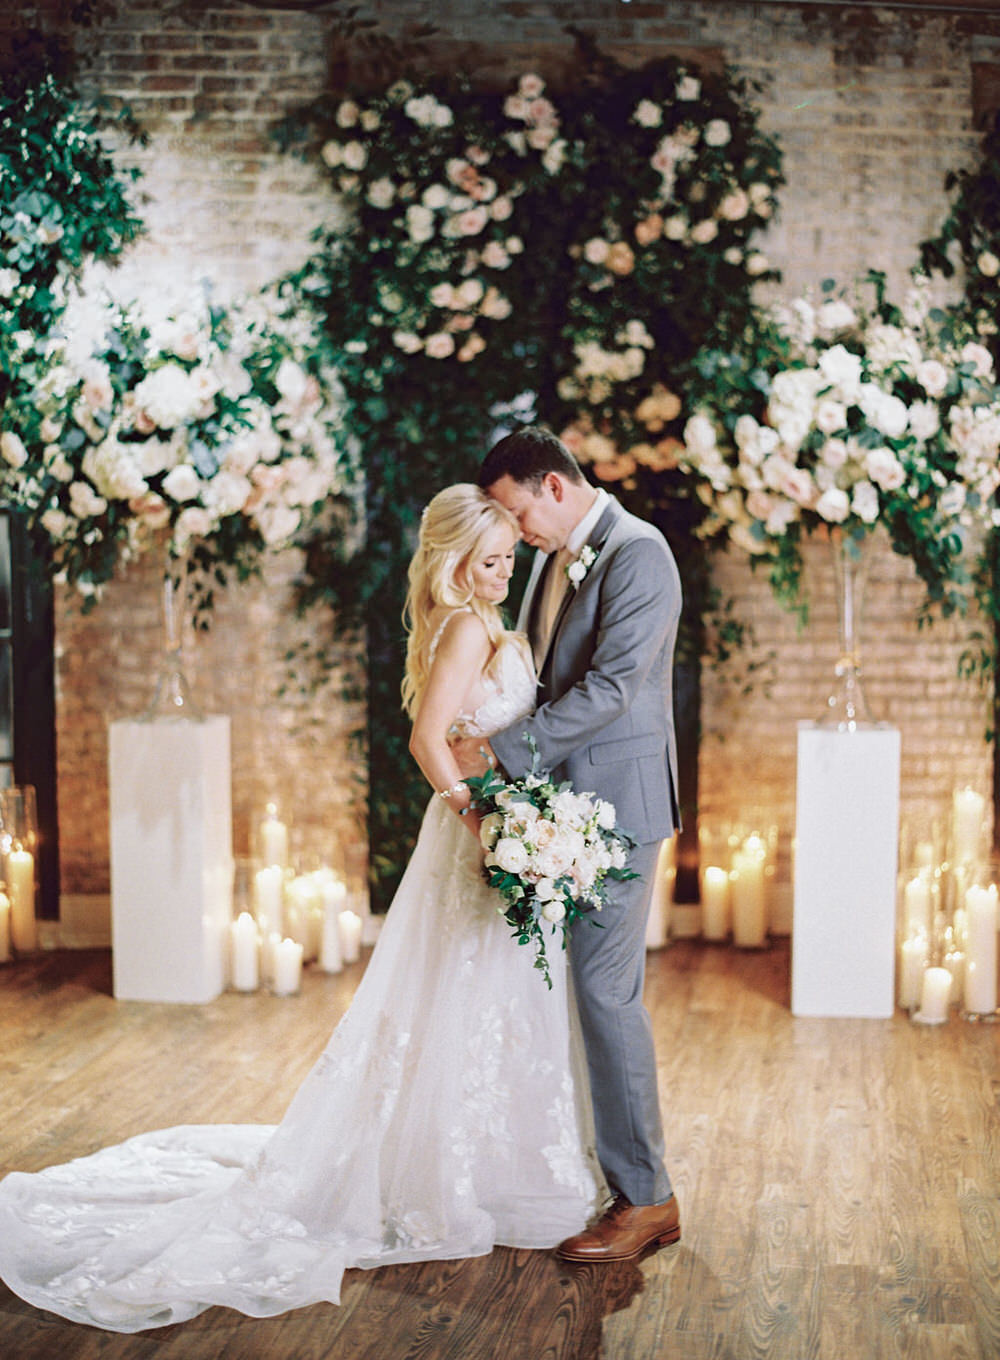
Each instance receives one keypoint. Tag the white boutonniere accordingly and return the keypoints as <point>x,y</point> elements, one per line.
<point>576,571</point>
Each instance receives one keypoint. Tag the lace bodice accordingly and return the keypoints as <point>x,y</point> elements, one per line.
<point>509,691</point>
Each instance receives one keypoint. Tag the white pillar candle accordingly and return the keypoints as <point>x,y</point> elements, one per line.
<point>297,902</point>
<point>268,891</point>
<point>4,928</point>
<point>935,994</point>
<point>349,925</point>
<point>746,891</point>
<point>245,954</point>
<point>287,968</point>
<point>913,961</point>
<point>917,907</point>
<point>21,889</point>
<point>923,855</point>
<point>967,808</point>
<point>273,838</point>
<point>661,897</point>
<point>268,954</point>
<point>714,903</point>
<point>981,950</point>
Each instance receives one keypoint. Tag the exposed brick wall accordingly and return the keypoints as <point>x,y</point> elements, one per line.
<point>873,107</point>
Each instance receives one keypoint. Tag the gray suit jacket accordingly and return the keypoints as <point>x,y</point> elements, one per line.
<point>605,692</point>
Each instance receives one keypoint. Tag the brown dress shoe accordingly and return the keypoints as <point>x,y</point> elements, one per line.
<point>623,1231</point>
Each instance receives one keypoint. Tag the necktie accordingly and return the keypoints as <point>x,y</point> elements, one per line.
<point>555,589</point>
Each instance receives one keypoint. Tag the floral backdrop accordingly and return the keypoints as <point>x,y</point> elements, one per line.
<point>536,254</point>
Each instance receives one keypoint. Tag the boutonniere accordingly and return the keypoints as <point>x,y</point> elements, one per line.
<point>576,571</point>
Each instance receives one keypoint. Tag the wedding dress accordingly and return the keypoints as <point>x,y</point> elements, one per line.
<point>447,1114</point>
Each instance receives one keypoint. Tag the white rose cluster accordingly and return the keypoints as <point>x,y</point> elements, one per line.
<point>181,424</point>
<point>549,850</point>
<point>865,416</point>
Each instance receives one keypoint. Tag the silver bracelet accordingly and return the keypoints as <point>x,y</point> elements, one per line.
<point>455,788</point>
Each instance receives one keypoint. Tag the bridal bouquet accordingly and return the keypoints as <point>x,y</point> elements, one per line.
<point>549,853</point>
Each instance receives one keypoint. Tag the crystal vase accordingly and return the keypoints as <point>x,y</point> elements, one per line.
<point>172,698</point>
<point>846,707</point>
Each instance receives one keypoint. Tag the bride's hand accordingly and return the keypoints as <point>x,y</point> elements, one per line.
<point>473,755</point>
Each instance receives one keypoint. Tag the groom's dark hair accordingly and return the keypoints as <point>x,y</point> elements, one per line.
<point>526,456</point>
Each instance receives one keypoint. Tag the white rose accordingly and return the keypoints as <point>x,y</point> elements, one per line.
<point>833,505</point>
<point>440,345</point>
<point>702,233</point>
<point>511,855</point>
<point>381,193</point>
<point>675,227</point>
<point>835,315</point>
<point>757,263</point>
<point>84,501</point>
<point>347,114</point>
<point>885,469</point>
<point>735,205</point>
<point>988,264</point>
<point>9,279</point>
<point>554,910</point>
<point>688,88</point>
<point>932,377</point>
<point>355,156</point>
<point>699,434</point>
<point>596,250</point>
<point>332,154</point>
<point>13,450</point>
<point>277,523</point>
<point>648,114</point>
<point>419,223</point>
<point>864,502</point>
<point>435,196</point>
<point>830,416</point>
<point>606,814</point>
<point>56,523</point>
<point>718,132</point>
<point>980,358</point>
<point>924,420</point>
<point>842,371</point>
<point>182,483</point>
<point>545,889</point>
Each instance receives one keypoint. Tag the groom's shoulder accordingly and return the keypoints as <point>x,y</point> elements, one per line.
<point>629,528</point>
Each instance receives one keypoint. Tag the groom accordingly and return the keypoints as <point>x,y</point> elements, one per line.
<point>603,638</point>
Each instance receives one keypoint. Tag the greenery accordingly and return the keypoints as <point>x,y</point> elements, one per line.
<point>63,202</point>
<point>527,255</point>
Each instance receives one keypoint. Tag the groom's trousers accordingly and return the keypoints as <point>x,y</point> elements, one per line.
<point>608,963</point>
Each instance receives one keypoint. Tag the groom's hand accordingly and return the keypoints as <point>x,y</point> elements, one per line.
<point>474,756</point>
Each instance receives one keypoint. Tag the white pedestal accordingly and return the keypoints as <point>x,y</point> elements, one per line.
<point>171,859</point>
<point>847,834</point>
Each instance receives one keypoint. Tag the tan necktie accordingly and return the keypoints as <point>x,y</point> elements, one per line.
<point>555,588</point>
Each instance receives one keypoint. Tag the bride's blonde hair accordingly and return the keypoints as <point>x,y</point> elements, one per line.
<point>453,529</point>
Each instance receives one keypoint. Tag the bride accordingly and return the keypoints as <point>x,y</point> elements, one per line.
<point>447,1114</point>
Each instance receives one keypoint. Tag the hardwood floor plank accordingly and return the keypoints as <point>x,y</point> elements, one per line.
<point>839,1181</point>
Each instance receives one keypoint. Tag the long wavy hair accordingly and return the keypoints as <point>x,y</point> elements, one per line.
<point>453,529</point>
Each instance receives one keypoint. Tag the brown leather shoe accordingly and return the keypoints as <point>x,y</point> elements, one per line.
<point>624,1231</point>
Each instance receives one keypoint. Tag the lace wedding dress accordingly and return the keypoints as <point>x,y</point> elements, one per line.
<point>447,1114</point>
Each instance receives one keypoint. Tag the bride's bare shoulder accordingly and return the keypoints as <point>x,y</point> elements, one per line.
<point>456,631</point>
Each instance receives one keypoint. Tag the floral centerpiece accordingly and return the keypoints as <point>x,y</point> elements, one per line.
<point>218,431</point>
<point>549,853</point>
<point>841,416</point>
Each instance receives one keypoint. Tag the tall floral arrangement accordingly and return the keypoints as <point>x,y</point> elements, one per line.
<point>217,430</point>
<point>852,413</point>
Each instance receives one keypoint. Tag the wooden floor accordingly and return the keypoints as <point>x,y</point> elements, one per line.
<point>839,1180</point>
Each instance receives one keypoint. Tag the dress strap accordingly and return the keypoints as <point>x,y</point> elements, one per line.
<point>439,630</point>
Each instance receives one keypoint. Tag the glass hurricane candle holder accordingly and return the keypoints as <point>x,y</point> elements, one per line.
<point>19,844</point>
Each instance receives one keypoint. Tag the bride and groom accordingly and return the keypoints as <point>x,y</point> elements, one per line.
<point>459,1103</point>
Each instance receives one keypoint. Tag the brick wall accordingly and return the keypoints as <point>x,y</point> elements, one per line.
<point>873,107</point>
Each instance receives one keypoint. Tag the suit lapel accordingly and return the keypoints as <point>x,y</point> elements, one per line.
<point>596,540</point>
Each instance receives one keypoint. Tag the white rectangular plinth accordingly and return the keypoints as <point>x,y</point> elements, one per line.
<point>847,834</point>
<point>171,859</point>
